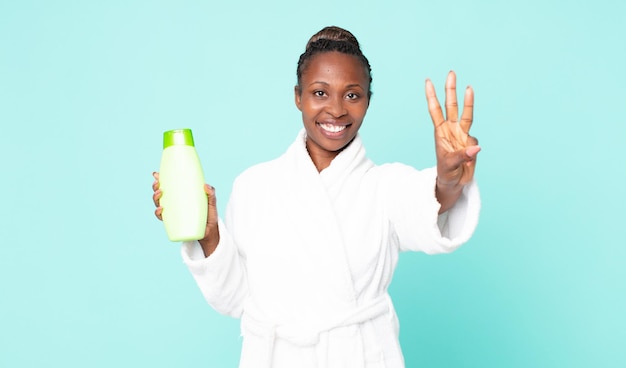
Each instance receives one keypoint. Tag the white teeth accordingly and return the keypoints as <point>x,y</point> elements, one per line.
<point>332,128</point>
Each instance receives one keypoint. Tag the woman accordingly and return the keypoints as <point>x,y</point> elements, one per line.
<point>310,240</point>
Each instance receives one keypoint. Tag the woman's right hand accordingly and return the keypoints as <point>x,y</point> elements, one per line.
<point>211,233</point>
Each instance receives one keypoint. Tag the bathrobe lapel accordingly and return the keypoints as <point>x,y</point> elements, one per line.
<point>317,222</point>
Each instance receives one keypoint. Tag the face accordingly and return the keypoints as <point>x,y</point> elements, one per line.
<point>333,99</point>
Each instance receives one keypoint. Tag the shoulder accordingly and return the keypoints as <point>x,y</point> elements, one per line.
<point>266,174</point>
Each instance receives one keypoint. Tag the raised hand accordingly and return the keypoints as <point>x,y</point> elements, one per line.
<point>456,150</point>
<point>211,233</point>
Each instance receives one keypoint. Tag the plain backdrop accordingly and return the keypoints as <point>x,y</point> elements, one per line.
<point>89,279</point>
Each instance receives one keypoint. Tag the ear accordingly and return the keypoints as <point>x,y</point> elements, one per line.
<point>297,92</point>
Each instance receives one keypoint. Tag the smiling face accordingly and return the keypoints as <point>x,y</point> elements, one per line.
<point>333,98</point>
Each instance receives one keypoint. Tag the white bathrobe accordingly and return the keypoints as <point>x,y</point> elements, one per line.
<point>305,258</point>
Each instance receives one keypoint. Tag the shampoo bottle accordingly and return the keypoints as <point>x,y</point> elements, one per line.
<point>181,180</point>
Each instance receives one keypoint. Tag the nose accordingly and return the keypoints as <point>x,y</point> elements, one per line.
<point>336,107</point>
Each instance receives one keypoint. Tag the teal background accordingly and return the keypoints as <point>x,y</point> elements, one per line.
<point>89,279</point>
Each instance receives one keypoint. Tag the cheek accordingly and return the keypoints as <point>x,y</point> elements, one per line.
<point>310,108</point>
<point>358,112</point>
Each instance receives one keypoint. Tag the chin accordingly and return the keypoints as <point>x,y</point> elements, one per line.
<point>337,146</point>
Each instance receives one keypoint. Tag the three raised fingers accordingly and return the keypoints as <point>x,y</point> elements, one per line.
<point>451,104</point>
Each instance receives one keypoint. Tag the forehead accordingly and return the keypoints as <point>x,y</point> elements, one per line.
<point>333,65</point>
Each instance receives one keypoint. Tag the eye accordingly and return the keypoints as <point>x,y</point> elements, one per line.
<point>319,93</point>
<point>352,96</point>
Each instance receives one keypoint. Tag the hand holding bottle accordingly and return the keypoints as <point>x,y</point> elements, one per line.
<point>211,233</point>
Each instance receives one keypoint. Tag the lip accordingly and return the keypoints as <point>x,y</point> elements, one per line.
<point>332,135</point>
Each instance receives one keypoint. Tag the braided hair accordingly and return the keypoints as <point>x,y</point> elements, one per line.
<point>333,39</point>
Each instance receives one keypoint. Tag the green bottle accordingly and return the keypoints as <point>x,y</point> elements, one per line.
<point>181,180</point>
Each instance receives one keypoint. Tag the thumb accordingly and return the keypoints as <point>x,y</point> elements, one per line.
<point>210,193</point>
<point>212,204</point>
<point>471,152</point>
<point>465,155</point>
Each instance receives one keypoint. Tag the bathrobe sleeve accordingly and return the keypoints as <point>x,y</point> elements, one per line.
<point>221,277</point>
<point>413,211</point>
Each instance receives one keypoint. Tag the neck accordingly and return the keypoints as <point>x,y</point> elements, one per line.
<point>321,159</point>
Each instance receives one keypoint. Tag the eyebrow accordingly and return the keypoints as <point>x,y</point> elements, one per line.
<point>348,86</point>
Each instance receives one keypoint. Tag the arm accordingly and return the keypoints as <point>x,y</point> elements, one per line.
<point>440,220</point>
<point>221,277</point>
<point>456,150</point>
<point>412,209</point>
<point>214,261</point>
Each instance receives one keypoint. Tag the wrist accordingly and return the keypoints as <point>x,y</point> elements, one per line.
<point>210,242</point>
<point>453,185</point>
<point>447,194</point>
